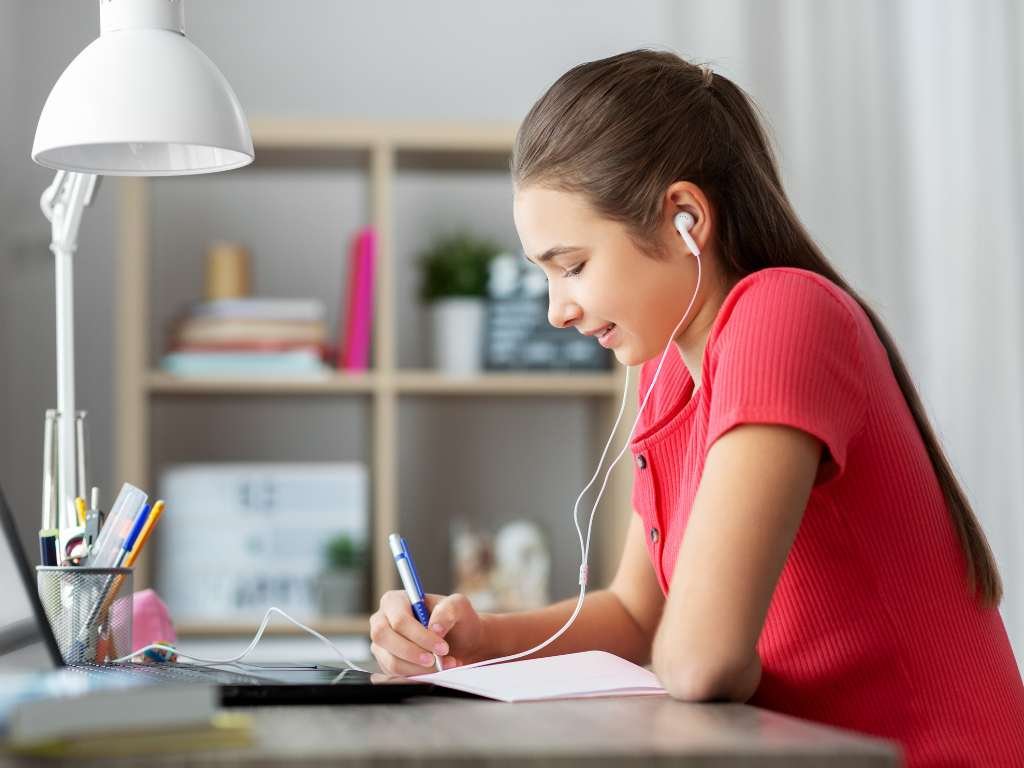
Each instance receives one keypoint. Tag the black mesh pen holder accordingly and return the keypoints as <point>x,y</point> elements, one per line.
<point>89,610</point>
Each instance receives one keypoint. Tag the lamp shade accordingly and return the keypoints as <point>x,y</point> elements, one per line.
<point>142,100</point>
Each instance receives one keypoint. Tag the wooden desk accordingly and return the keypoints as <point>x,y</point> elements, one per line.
<point>637,731</point>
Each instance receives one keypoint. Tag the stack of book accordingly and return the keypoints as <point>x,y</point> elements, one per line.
<point>67,714</point>
<point>250,336</point>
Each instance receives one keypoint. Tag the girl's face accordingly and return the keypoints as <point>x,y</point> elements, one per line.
<point>598,279</point>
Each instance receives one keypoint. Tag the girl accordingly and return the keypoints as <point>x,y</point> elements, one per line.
<point>799,539</point>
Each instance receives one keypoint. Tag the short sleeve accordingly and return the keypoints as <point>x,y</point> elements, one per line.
<point>787,351</point>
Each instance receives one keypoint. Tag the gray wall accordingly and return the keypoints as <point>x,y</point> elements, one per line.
<point>8,18</point>
<point>43,39</point>
<point>315,58</point>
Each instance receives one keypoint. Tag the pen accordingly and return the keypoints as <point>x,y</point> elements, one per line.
<point>48,546</point>
<point>92,527</point>
<point>129,543</point>
<point>49,530</point>
<point>411,582</point>
<point>93,517</point>
<point>147,528</point>
<point>80,509</point>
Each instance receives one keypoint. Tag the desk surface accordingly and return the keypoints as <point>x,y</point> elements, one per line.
<point>631,731</point>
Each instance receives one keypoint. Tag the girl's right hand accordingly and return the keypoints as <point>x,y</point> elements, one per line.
<point>403,646</point>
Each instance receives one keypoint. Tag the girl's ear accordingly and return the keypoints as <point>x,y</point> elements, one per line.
<point>687,197</point>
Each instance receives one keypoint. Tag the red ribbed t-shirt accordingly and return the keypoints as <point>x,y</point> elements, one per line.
<point>871,626</point>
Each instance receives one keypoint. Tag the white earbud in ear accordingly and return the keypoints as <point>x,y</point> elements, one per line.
<point>684,221</point>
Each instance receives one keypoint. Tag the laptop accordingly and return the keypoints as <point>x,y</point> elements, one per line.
<point>27,643</point>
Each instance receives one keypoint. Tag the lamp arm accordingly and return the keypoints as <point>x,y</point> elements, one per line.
<point>49,195</point>
<point>62,203</point>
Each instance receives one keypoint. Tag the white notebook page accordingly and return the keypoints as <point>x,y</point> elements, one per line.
<point>571,676</point>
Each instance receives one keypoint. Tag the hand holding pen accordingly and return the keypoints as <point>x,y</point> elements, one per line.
<point>413,588</point>
<point>405,641</point>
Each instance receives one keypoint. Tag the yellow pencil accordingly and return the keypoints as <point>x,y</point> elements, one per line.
<point>147,528</point>
<point>80,508</point>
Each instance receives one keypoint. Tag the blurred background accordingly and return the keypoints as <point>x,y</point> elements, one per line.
<point>900,132</point>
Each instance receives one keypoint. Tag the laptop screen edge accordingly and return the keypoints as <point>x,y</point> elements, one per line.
<point>25,569</point>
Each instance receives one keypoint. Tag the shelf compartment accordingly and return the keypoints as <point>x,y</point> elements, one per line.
<point>295,221</point>
<point>541,453</point>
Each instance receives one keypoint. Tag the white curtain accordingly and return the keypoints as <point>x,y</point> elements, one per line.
<point>900,127</point>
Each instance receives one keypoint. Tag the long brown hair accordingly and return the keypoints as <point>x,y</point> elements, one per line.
<point>619,131</point>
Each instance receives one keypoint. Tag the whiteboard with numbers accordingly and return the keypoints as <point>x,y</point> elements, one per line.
<point>237,538</point>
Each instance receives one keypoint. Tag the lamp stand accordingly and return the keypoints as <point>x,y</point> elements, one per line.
<point>62,203</point>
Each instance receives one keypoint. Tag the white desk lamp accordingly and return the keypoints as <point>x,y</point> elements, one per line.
<point>140,100</point>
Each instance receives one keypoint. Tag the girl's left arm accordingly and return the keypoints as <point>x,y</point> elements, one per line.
<point>751,498</point>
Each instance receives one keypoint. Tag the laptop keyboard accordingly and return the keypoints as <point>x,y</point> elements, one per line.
<point>173,672</point>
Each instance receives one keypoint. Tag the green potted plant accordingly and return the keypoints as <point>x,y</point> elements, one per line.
<point>341,585</point>
<point>455,274</point>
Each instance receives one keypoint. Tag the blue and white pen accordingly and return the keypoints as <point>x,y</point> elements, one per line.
<point>411,582</point>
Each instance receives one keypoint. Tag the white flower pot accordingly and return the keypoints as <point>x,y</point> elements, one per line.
<point>340,592</point>
<point>458,325</point>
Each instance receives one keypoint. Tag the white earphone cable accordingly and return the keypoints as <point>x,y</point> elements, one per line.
<point>585,547</point>
<point>238,659</point>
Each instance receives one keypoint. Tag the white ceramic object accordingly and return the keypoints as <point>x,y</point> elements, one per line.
<point>458,325</point>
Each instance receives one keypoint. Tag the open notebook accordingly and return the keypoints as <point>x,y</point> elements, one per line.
<point>572,676</point>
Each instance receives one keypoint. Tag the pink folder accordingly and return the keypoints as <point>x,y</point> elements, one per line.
<point>345,328</point>
<point>357,356</point>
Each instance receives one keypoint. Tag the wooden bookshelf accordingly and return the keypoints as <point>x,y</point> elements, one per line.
<point>377,146</point>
